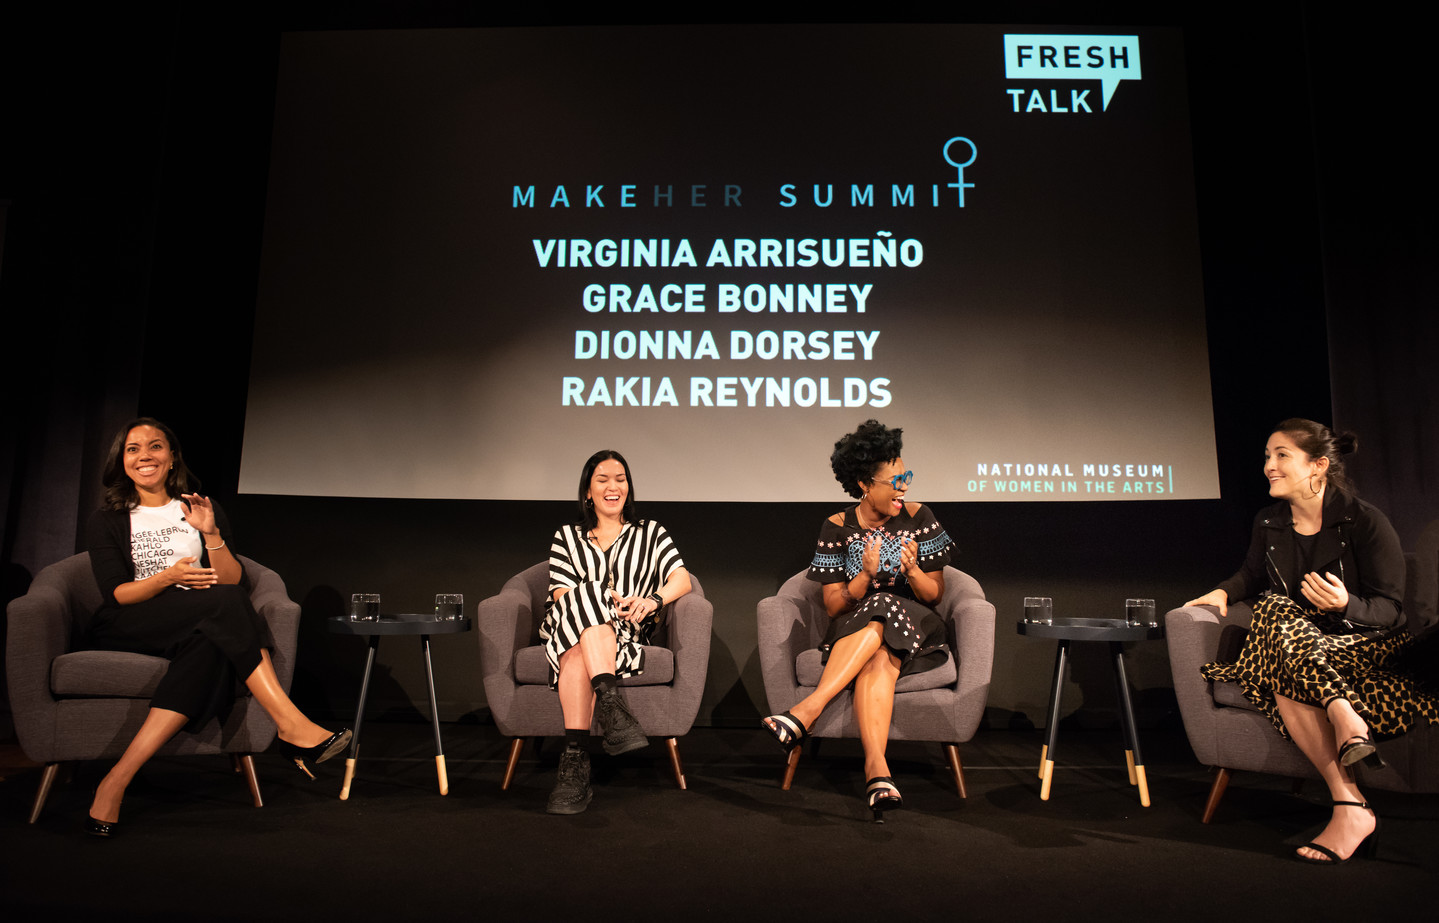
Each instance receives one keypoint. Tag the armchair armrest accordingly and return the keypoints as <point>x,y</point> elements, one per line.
<point>504,623</point>
<point>972,641</point>
<point>273,604</point>
<point>38,631</point>
<point>782,635</point>
<point>690,625</point>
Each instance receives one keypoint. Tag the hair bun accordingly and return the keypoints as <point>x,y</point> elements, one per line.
<point>1346,443</point>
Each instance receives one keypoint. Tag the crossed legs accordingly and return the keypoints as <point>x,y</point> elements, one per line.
<point>592,656</point>
<point>161,724</point>
<point>1317,731</point>
<point>863,659</point>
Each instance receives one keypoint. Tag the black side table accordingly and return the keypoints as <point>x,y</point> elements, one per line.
<point>1116,632</point>
<point>422,625</point>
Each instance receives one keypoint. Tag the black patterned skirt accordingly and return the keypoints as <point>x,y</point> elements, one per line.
<point>1313,657</point>
<point>912,631</point>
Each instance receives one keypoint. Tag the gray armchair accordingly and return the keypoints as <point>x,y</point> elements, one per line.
<point>1228,733</point>
<point>944,704</point>
<point>665,698</point>
<point>88,705</point>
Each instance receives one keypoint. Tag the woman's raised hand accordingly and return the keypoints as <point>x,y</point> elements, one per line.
<point>908,555</point>
<point>870,560</point>
<point>200,514</point>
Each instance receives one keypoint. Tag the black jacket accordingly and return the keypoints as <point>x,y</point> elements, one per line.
<point>1356,544</point>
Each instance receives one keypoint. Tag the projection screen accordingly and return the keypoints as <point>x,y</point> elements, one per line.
<point>488,253</point>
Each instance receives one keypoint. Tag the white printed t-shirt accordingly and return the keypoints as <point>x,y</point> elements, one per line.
<point>160,536</point>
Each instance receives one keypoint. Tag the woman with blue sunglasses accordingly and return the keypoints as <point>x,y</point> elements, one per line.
<point>881,563</point>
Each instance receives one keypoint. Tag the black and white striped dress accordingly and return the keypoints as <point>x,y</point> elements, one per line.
<point>641,559</point>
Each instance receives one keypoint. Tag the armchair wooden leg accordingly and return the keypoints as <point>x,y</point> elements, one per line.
<point>956,767</point>
<point>675,764</point>
<point>516,746</point>
<point>1216,792</point>
<point>245,763</point>
<point>789,767</point>
<point>47,779</point>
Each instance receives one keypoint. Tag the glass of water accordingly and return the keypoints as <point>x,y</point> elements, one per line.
<point>365,607</point>
<point>449,606</point>
<point>1039,610</point>
<point>1140,613</point>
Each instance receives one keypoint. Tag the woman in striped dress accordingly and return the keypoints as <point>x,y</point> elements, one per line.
<point>610,574</point>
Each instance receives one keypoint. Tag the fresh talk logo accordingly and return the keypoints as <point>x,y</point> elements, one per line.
<point>1110,59</point>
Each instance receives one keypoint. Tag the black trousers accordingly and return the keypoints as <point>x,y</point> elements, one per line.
<point>211,637</point>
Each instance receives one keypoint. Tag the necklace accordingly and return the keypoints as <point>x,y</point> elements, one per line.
<point>860,519</point>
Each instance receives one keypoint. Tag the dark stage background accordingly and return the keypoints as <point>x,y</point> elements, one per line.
<point>133,170</point>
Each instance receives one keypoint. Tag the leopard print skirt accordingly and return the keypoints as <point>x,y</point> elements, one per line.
<point>1313,657</point>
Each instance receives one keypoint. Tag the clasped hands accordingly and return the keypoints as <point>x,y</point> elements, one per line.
<point>908,555</point>
<point>633,608</point>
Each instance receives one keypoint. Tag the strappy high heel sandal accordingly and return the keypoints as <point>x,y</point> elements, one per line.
<point>882,796</point>
<point>1369,845</point>
<point>787,730</point>
<point>335,743</point>
<point>1359,748</point>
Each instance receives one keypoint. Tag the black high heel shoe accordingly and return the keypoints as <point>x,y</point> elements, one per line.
<point>101,827</point>
<point>1369,845</point>
<point>882,796</point>
<point>106,828</point>
<point>1359,748</point>
<point>330,746</point>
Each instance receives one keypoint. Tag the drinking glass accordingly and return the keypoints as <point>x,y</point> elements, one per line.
<point>449,606</point>
<point>365,607</point>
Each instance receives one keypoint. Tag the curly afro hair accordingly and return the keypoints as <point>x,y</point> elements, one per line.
<point>858,456</point>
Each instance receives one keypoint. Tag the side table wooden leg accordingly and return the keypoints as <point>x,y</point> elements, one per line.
<point>349,777</point>
<point>1051,731</point>
<point>444,779</point>
<point>359,720</point>
<point>1134,759</point>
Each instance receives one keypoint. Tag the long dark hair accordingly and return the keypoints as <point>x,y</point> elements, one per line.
<point>588,519</point>
<point>1318,441</point>
<point>120,492</point>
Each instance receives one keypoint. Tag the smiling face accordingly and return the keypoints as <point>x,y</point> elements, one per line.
<point>1292,474</point>
<point>880,494</point>
<point>609,488</point>
<point>147,460</point>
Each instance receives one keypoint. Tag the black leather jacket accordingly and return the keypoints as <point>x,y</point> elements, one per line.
<point>1356,544</point>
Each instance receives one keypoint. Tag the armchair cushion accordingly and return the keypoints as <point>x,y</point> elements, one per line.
<point>106,673</point>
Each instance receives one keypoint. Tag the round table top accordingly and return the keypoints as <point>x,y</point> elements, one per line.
<point>421,623</point>
<point>1082,629</point>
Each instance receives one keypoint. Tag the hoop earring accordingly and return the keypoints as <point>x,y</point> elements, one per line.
<point>1313,491</point>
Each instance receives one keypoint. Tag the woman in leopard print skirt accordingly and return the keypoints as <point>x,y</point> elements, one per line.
<point>1328,575</point>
